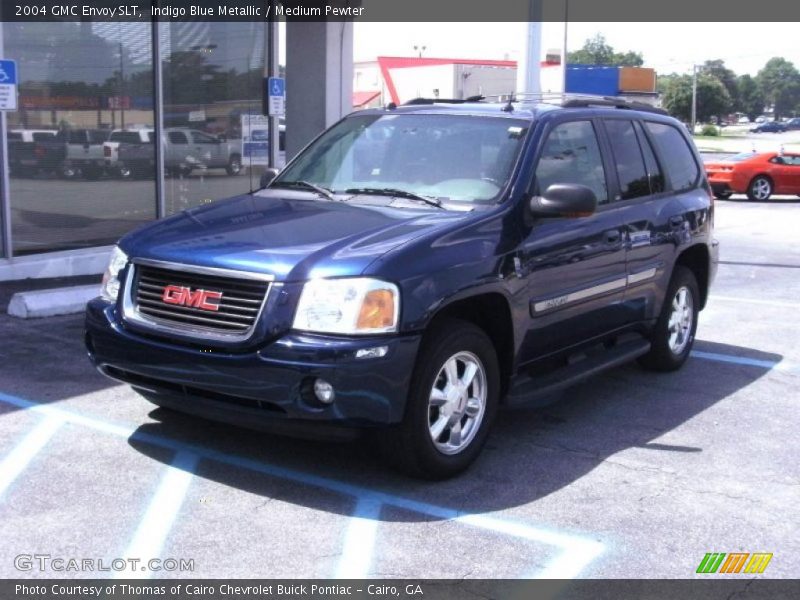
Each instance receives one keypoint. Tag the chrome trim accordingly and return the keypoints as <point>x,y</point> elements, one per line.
<point>162,264</point>
<point>641,276</point>
<point>131,315</point>
<point>595,290</point>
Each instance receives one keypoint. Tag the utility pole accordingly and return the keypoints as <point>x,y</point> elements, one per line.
<point>694,97</point>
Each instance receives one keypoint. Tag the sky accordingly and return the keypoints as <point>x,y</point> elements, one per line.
<point>666,47</point>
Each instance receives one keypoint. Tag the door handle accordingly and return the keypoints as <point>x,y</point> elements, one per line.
<point>612,236</point>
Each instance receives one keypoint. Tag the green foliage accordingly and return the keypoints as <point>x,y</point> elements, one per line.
<point>751,98</point>
<point>712,97</point>
<point>780,82</point>
<point>717,68</point>
<point>596,51</point>
<point>710,130</point>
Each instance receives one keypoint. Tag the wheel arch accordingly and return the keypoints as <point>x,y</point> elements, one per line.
<point>492,313</point>
<point>697,259</point>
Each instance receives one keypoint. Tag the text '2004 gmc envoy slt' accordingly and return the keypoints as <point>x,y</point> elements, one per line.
<point>417,267</point>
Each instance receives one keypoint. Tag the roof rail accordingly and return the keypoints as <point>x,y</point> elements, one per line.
<point>417,101</point>
<point>574,100</point>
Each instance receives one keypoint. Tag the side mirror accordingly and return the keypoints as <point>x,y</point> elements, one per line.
<point>267,177</point>
<point>564,200</point>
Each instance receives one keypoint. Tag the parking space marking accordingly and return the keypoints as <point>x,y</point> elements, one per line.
<point>26,450</point>
<point>359,542</point>
<point>576,552</point>
<point>749,362</point>
<point>778,303</point>
<point>156,523</point>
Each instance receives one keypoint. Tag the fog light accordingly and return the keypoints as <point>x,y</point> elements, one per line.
<point>376,352</point>
<point>324,391</point>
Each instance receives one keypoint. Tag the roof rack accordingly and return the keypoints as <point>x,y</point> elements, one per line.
<point>417,101</point>
<point>573,100</point>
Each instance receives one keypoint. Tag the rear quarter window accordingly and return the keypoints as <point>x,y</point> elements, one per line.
<point>676,156</point>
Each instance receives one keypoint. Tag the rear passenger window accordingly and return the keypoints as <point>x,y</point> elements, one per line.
<point>571,154</point>
<point>676,155</point>
<point>633,181</point>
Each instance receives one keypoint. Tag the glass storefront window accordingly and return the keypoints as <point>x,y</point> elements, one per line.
<point>215,139</point>
<point>81,86</point>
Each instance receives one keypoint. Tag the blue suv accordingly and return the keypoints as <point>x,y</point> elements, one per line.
<point>417,267</point>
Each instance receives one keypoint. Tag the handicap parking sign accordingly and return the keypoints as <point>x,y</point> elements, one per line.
<point>8,85</point>
<point>276,92</point>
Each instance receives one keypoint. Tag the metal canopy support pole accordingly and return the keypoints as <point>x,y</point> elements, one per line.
<point>529,66</point>
<point>271,69</point>
<point>158,117</point>
<point>5,198</point>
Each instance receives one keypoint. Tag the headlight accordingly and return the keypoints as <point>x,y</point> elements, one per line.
<point>110,286</point>
<point>353,306</point>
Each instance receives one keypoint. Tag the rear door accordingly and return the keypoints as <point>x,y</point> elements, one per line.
<point>574,267</point>
<point>785,171</point>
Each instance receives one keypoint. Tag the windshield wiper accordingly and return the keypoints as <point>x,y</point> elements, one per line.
<point>324,192</point>
<point>396,194</point>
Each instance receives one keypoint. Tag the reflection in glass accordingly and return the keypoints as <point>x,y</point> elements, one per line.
<point>80,84</point>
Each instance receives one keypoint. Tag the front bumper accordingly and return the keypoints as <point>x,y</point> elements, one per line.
<point>267,387</point>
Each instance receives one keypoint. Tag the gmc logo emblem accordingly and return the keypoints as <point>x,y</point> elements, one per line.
<point>184,296</point>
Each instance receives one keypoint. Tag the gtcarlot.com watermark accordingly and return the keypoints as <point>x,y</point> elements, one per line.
<point>62,564</point>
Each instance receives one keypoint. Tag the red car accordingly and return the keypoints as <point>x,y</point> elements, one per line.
<point>757,175</point>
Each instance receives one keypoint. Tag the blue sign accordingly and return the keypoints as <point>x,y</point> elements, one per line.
<point>8,85</point>
<point>8,72</point>
<point>276,94</point>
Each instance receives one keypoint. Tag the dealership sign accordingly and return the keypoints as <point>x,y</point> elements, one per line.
<point>8,85</point>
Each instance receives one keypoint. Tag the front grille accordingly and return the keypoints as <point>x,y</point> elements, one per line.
<point>238,307</point>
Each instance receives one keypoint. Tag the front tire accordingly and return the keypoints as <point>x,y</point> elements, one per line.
<point>722,195</point>
<point>452,403</point>
<point>760,189</point>
<point>673,336</point>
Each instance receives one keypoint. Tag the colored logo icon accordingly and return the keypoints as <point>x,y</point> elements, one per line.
<point>735,562</point>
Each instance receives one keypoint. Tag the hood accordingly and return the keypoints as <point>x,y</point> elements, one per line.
<point>288,234</point>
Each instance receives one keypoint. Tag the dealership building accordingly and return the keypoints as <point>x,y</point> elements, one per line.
<point>197,86</point>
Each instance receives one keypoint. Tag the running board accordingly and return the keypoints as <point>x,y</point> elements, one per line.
<point>530,392</point>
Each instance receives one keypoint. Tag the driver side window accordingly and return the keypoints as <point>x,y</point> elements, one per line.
<point>571,154</point>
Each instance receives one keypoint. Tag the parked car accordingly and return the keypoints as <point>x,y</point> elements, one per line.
<point>793,124</point>
<point>770,127</point>
<point>477,255</point>
<point>26,153</point>
<point>120,137</point>
<point>184,151</point>
<point>81,152</point>
<point>759,175</point>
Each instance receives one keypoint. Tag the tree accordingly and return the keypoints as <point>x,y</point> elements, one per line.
<point>596,51</point>
<point>780,82</point>
<point>751,98</point>
<point>712,97</point>
<point>727,77</point>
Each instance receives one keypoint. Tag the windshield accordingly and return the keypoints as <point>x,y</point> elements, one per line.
<point>451,158</point>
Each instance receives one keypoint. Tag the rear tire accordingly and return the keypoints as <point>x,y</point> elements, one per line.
<point>723,195</point>
<point>451,405</point>
<point>234,165</point>
<point>760,189</point>
<point>673,336</point>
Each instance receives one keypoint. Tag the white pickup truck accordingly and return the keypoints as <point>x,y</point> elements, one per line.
<point>123,136</point>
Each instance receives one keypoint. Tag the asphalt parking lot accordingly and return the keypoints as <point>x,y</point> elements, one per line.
<point>631,475</point>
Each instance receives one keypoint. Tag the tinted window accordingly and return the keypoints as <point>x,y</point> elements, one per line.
<point>628,159</point>
<point>678,159</point>
<point>41,136</point>
<point>202,138</point>
<point>177,137</point>
<point>654,173</point>
<point>125,137</point>
<point>14,136</point>
<point>571,155</point>
<point>97,137</point>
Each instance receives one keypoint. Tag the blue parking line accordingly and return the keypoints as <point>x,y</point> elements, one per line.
<point>359,542</point>
<point>26,450</point>
<point>748,362</point>
<point>576,552</point>
<point>155,525</point>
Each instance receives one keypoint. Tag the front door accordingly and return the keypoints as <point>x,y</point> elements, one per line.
<point>574,267</point>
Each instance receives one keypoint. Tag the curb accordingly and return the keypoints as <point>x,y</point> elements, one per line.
<point>49,303</point>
